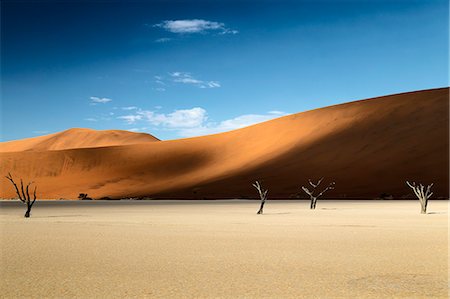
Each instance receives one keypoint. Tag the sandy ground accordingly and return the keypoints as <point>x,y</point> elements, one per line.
<point>222,249</point>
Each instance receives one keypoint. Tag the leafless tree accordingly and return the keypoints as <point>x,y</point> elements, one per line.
<point>313,193</point>
<point>24,194</point>
<point>422,194</point>
<point>262,195</point>
<point>84,196</point>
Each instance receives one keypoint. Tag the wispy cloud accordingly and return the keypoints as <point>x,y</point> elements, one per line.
<point>194,26</point>
<point>129,108</point>
<point>130,119</point>
<point>182,78</point>
<point>183,118</point>
<point>238,122</point>
<point>97,100</point>
<point>159,80</point>
<point>195,122</point>
<point>186,78</point>
<point>163,40</point>
<point>143,129</point>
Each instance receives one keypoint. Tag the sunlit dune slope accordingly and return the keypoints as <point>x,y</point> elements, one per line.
<point>367,147</point>
<point>76,138</point>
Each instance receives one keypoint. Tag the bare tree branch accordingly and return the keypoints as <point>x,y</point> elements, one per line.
<point>307,191</point>
<point>316,184</point>
<point>28,193</point>
<point>9,177</point>
<point>312,192</point>
<point>21,187</point>
<point>24,194</point>
<point>422,195</point>
<point>330,187</point>
<point>34,195</point>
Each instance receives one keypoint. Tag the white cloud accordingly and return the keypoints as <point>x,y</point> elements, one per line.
<point>91,119</point>
<point>194,121</point>
<point>163,40</point>
<point>100,100</point>
<point>194,26</point>
<point>183,78</point>
<point>186,78</point>
<point>210,84</point>
<point>129,108</point>
<point>276,112</point>
<point>138,129</point>
<point>229,124</point>
<point>229,31</point>
<point>131,119</point>
<point>183,118</point>
<point>159,80</point>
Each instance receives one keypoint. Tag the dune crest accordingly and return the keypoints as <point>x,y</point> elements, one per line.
<point>369,147</point>
<point>76,138</point>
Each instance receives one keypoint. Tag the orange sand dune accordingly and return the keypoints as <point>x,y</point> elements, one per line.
<point>368,147</point>
<point>76,138</point>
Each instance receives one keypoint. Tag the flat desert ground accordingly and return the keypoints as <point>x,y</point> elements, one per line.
<point>222,249</point>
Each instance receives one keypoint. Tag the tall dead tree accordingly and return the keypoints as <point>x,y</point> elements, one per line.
<point>313,193</point>
<point>262,195</point>
<point>422,194</point>
<point>24,194</point>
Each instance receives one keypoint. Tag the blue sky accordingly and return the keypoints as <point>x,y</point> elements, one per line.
<point>184,68</point>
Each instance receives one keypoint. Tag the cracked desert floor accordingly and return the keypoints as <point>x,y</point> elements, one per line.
<point>222,249</point>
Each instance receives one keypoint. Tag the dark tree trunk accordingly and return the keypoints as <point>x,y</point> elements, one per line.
<point>28,212</point>
<point>313,203</point>
<point>261,207</point>
<point>262,195</point>
<point>424,206</point>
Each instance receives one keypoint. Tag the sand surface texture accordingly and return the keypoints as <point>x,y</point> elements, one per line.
<point>222,249</point>
<point>368,147</point>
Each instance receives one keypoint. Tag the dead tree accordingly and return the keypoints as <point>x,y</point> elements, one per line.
<point>84,196</point>
<point>313,193</point>
<point>422,194</point>
<point>262,195</point>
<point>24,194</point>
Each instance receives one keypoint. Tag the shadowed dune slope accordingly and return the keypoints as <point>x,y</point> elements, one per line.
<point>367,147</point>
<point>76,138</point>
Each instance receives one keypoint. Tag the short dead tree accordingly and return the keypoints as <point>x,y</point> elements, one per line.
<point>422,194</point>
<point>84,196</point>
<point>313,193</point>
<point>262,195</point>
<point>24,194</point>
